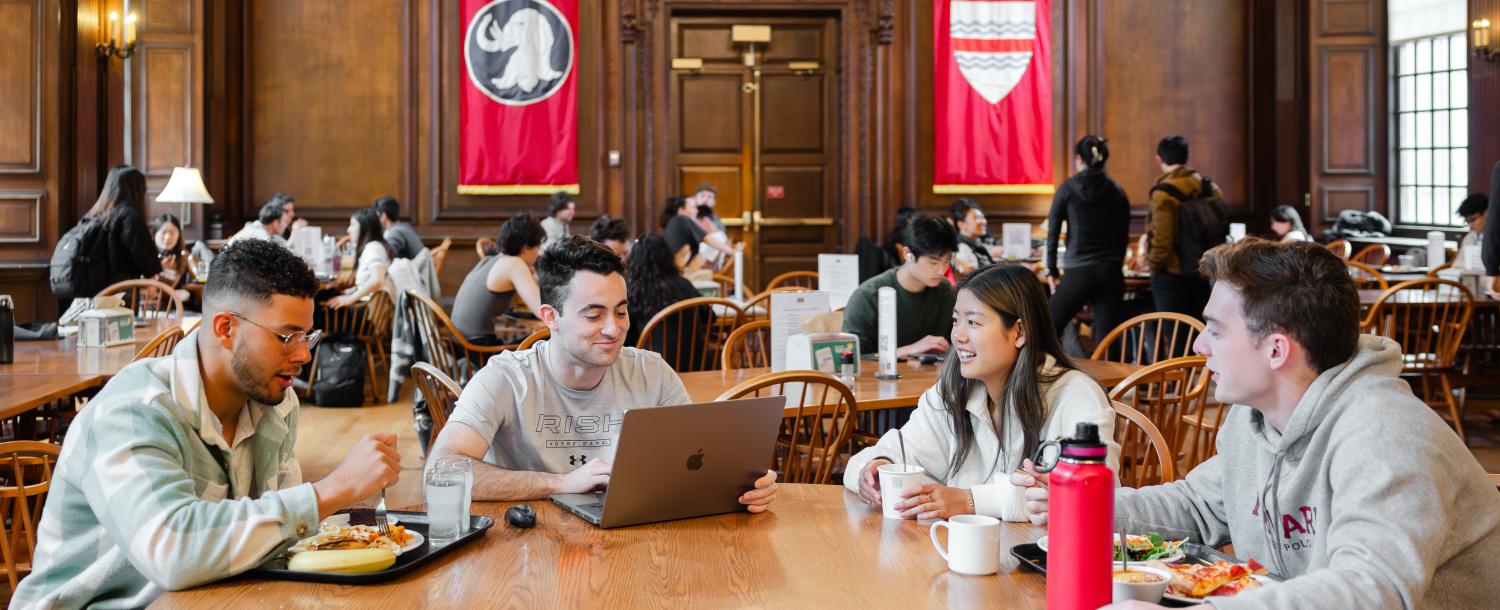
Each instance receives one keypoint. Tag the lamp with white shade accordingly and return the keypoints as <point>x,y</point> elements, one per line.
<point>185,187</point>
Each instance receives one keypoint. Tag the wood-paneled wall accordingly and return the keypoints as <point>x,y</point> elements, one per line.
<point>340,101</point>
<point>1484,102</point>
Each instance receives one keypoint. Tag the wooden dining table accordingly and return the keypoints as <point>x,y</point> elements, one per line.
<point>44,371</point>
<point>875,394</point>
<point>818,546</point>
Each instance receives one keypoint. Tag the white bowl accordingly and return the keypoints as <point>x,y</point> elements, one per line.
<point>1146,592</point>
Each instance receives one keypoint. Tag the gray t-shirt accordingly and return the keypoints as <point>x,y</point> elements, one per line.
<point>404,240</point>
<point>537,424</point>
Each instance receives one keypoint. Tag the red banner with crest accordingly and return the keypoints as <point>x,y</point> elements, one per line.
<point>518,106</point>
<point>992,102</point>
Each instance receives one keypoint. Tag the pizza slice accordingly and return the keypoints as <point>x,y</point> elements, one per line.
<point>1235,587</point>
<point>1200,580</point>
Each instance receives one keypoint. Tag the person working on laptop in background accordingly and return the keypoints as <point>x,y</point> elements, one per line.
<point>545,420</point>
<point>924,298</point>
<point>1329,470</point>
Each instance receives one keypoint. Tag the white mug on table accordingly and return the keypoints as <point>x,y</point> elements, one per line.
<point>973,544</point>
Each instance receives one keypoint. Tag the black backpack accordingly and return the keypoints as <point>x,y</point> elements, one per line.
<point>341,372</point>
<point>80,264</point>
<point>1202,223</point>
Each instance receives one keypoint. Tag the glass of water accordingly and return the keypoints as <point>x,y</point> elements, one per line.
<point>466,466</point>
<point>445,497</point>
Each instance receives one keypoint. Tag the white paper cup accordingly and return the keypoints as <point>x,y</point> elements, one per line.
<point>893,479</point>
<point>1146,592</point>
<point>973,544</point>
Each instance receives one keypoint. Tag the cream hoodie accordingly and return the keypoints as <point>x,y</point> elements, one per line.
<point>930,441</point>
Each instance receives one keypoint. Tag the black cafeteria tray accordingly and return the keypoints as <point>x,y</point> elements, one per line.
<point>1032,556</point>
<point>405,562</point>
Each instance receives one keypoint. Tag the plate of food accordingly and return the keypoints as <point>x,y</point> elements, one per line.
<point>1150,547</point>
<point>335,533</point>
<point>1194,583</point>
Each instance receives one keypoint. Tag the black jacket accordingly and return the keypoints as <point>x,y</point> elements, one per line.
<point>132,251</point>
<point>1098,216</point>
<point>1491,247</point>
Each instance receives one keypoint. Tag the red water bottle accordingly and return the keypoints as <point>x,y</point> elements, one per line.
<point>1081,507</point>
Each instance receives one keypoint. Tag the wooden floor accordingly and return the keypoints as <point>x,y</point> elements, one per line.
<point>326,433</point>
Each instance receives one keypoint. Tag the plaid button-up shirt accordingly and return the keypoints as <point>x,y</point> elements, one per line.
<point>145,498</point>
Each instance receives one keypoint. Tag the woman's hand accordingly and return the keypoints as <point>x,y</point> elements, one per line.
<point>342,301</point>
<point>933,501</point>
<point>869,482</point>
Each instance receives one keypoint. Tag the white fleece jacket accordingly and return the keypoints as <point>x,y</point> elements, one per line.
<point>1366,500</point>
<point>930,441</point>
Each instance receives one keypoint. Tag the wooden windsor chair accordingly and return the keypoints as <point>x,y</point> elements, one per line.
<point>440,391</point>
<point>1373,255</point>
<point>1165,393</point>
<point>162,345</point>
<point>1429,319</point>
<point>821,420</point>
<point>794,279</point>
<point>1340,247</point>
<point>748,346</point>
<point>148,299</point>
<point>1149,338</point>
<point>444,347</point>
<point>28,466</point>
<point>690,334</point>
<point>1365,276</point>
<point>1152,459</point>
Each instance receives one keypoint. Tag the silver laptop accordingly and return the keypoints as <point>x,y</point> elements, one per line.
<point>683,461</point>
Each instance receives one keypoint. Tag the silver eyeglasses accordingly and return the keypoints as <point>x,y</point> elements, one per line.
<point>288,342</point>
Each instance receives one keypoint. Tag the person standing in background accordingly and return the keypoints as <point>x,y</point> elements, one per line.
<point>132,252</point>
<point>1174,288</point>
<point>560,210</point>
<point>1098,216</point>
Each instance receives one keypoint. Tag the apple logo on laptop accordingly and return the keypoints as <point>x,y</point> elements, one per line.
<point>695,461</point>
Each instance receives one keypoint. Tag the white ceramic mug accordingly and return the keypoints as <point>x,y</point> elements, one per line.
<point>973,544</point>
<point>894,478</point>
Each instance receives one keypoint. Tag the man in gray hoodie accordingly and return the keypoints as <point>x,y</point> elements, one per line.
<point>1329,470</point>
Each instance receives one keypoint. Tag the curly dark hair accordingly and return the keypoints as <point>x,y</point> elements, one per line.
<point>649,270</point>
<point>556,266</point>
<point>609,227</point>
<point>522,231</point>
<point>256,270</point>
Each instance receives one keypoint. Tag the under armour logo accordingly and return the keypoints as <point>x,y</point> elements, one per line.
<point>577,460</point>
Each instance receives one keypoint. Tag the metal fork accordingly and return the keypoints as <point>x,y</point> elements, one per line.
<point>380,519</point>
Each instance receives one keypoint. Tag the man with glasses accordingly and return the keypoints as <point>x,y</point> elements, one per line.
<point>181,471</point>
<point>1329,471</point>
<point>924,298</point>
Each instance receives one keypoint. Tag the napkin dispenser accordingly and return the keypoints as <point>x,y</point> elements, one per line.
<point>821,352</point>
<point>106,324</point>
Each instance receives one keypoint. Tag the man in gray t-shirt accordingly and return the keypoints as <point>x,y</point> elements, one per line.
<point>545,420</point>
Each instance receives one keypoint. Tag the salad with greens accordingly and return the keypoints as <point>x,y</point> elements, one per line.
<point>1149,547</point>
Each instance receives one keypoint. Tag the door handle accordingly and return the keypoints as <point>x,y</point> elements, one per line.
<point>748,220</point>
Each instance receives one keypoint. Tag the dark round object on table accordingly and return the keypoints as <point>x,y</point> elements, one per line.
<point>521,516</point>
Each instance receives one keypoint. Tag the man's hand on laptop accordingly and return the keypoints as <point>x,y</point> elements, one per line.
<point>759,499</point>
<point>589,477</point>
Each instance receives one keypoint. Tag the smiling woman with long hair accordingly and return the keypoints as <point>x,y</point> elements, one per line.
<point>1005,386</point>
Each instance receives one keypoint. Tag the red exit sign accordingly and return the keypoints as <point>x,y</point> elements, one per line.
<point>775,191</point>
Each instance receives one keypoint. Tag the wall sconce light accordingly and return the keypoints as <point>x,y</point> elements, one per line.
<point>1482,48</point>
<point>110,40</point>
